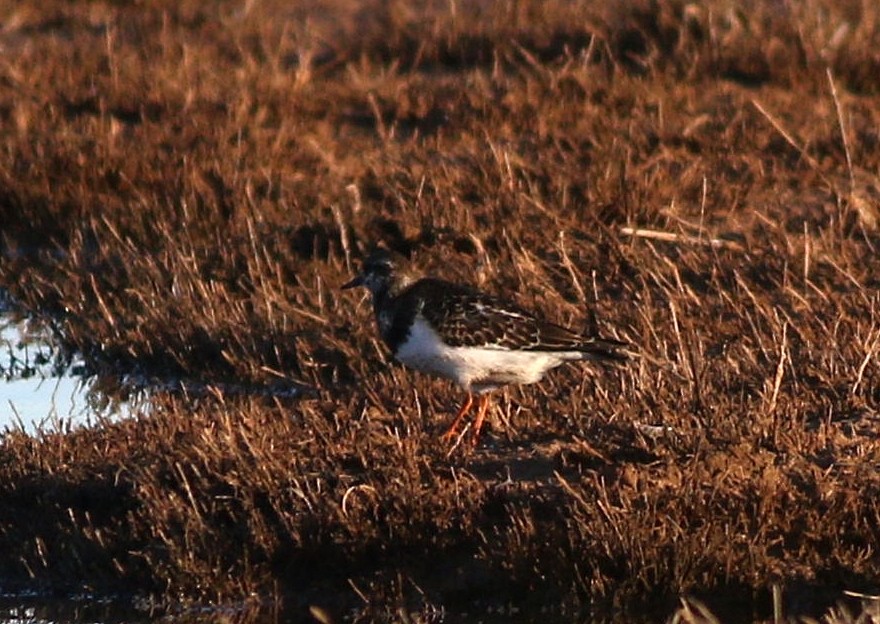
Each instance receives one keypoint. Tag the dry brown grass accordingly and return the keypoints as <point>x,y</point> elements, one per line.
<point>183,187</point>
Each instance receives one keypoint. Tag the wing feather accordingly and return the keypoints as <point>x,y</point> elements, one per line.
<point>466,317</point>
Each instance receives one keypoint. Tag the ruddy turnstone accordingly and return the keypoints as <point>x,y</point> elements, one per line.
<point>477,340</point>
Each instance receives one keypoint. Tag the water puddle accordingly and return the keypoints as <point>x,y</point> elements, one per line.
<point>44,389</point>
<point>41,388</point>
<point>34,609</point>
<point>48,611</point>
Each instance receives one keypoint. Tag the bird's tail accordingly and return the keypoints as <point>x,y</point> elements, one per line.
<point>605,350</point>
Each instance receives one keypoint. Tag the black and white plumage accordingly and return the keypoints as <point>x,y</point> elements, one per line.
<point>477,340</point>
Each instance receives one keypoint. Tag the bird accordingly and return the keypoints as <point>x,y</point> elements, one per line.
<point>477,340</point>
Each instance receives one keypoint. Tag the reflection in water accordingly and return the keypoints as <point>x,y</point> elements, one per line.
<point>42,388</point>
<point>33,608</point>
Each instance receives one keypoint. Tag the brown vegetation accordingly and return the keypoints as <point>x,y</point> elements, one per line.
<point>184,185</point>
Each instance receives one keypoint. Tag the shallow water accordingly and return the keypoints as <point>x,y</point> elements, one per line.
<point>33,608</point>
<point>80,610</point>
<point>43,390</point>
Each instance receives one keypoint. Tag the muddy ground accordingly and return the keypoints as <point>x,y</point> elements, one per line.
<point>184,186</point>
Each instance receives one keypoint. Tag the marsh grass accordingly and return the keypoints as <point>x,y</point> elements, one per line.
<point>183,187</point>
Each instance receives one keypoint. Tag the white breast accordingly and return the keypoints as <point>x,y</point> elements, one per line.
<point>475,368</point>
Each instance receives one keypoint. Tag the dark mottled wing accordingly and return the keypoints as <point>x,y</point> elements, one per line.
<point>466,317</point>
<point>556,338</point>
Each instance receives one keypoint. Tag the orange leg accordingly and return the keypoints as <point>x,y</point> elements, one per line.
<point>453,430</point>
<point>481,415</point>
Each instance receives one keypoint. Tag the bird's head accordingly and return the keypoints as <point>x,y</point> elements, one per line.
<point>379,273</point>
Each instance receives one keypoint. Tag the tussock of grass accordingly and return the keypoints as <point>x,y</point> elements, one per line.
<point>184,198</point>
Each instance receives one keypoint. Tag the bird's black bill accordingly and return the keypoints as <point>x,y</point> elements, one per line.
<point>358,281</point>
